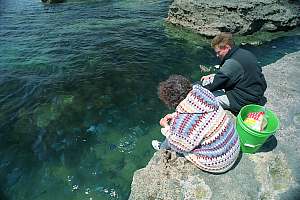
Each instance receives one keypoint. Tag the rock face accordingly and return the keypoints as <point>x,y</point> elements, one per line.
<point>243,17</point>
<point>52,1</point>
<point>272,173</point>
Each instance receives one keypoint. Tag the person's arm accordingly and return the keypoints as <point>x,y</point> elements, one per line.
<point>228,75</point>
<point>182,143</point>
<point>167,119</point>
<point>219,82</point>
<point>209,76</point>
<point>205,80</point>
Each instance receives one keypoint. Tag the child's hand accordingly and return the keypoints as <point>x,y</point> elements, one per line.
<point>165,120</point>
<point>162,122</point>
<point>207,77</point>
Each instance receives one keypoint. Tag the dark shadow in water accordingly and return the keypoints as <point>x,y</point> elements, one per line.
<point>2,195</point>
<point>271,51</point>
<point>269,145</point>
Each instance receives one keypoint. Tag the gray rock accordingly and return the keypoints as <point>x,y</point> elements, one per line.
<point>269,174</point>
<point>242,17</point>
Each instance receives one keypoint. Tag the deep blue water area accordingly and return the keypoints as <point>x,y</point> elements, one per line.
<point>78,92</point>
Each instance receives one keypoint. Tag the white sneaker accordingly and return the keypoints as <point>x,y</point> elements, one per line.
<point>156,144</point>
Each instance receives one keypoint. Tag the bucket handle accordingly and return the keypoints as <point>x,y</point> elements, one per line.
<point>251,145</point>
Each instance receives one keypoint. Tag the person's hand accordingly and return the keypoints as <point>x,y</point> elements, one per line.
<point>165,120</point>
<point>207,79</point>
<point>204,69</point>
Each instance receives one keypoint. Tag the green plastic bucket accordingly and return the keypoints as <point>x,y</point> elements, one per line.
<point>250,139</point>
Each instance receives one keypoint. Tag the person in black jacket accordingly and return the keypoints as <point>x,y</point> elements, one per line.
<point>240,80</point>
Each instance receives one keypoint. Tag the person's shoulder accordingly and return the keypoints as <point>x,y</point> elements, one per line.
<point>231,68</point>
<point>202,91</point>
<point>197,87</point>
<point>244,52</point>
<point>230,64</point>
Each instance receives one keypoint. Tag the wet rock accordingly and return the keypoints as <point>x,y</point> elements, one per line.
<point>242,17</point>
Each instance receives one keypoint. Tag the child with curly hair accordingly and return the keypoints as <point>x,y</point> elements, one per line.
<point>199,128</point>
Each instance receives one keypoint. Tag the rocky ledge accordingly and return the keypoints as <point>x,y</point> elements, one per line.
<point>272,173</point>
<point>242,17</point>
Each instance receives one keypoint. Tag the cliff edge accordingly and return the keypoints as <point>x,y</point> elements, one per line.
<point>272,173</point>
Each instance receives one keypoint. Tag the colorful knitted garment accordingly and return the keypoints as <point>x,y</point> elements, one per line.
<point>203,132</point>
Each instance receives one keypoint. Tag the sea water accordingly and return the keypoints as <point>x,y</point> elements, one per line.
<point>78,92</point>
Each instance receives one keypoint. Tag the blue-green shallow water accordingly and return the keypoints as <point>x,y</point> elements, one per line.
<point>78,93</point>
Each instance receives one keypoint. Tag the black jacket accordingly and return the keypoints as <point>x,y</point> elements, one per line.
<point>241,78</point>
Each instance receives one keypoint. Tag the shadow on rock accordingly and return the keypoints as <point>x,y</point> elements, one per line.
<point>269,145</point>
<point>236,163</point>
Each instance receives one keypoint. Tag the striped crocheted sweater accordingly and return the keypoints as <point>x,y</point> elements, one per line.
<point>203,133</point>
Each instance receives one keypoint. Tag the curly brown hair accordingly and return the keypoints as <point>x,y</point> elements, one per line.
<point>173,90</point>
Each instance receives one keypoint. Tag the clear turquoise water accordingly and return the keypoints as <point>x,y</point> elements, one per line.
<point>78,103</point>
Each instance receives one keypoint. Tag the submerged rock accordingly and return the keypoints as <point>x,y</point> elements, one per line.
<point>45,114</point>
<point>271,173</point>
<point>48,112</point>
<point>242,17</point>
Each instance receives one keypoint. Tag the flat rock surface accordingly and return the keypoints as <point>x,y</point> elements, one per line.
<point>272,173</point>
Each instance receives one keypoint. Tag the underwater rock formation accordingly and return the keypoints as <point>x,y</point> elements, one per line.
<point>241,17</point>
<point>272,173</point>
